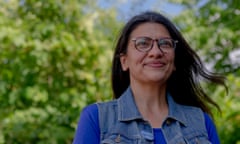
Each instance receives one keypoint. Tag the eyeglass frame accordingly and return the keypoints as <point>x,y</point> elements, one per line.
<point>174,42</point>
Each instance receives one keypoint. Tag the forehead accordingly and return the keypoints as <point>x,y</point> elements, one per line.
<point>150,29</point>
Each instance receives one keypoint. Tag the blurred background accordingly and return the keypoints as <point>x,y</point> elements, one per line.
<point>55,58</point>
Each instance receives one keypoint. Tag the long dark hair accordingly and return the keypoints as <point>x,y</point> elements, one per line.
<point>184,83</point>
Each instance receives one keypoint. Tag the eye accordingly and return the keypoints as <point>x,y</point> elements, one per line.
<point>165,43</point>
<point>143,42</point>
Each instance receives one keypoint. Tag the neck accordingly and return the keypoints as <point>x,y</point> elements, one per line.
<point>149,94</point>
<point>151,102</point>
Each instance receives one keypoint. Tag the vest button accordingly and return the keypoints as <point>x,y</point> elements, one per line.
<point>168,122</point>
<point>118,139</point>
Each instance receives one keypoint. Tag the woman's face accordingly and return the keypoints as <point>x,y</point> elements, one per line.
<point>153,66</point>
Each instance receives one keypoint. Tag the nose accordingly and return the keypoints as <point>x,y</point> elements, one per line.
<point>156,50</point>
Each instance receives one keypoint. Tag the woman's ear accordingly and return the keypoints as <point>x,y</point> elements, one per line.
<point>124,62</point>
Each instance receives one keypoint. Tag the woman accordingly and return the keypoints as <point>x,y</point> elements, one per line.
<point>158,98</point>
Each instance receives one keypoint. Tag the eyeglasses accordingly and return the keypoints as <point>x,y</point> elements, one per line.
<point>145,44</point>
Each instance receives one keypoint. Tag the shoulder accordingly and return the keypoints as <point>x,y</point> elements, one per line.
<point>90,110</point>
<point>184,112</point>
<point>93,110</point>
<point>191,108</point>
<point>190,116</point>
<point>211,129</point>
<point>107,113</point>
<point>106,106</point>
<point>208,120</point>
<point>190,111</point>
<point>90,107</point>
<point>108,103</point>
<point>202,122</point>
<point>90,114</point>
<point>88,126</point>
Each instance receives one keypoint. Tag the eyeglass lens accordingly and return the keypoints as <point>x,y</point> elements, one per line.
<point>146,43</point>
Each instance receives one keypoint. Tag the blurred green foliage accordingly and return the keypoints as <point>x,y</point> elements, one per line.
<point>212,28</point>
<point>228,121</point>
<point>55,58</point>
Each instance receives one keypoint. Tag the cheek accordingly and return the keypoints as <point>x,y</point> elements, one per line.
<point>140,59</point>
<point>137,57</point>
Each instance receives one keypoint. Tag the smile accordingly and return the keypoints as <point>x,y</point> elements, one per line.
<point>155,64</point>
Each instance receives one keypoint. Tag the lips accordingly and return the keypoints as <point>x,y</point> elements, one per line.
<point>155,64</point>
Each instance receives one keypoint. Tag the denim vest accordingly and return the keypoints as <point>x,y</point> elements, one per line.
<point>121,123</point>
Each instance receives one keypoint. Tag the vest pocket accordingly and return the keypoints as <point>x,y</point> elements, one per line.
<point>118,139</point>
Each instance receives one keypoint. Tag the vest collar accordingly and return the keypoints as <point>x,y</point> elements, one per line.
<point>127,108</point>
<point>176,111</point>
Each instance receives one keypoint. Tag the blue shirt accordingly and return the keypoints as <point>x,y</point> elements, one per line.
<point>88,128</point>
